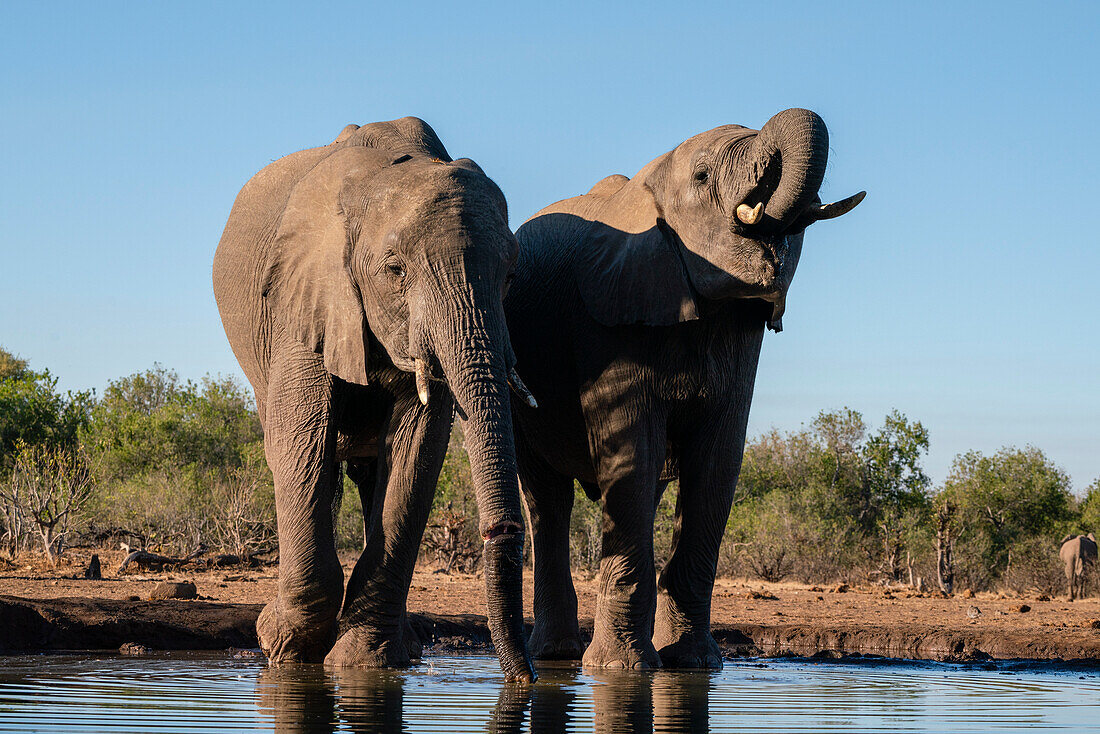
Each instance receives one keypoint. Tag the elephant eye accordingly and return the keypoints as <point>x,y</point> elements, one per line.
<point>396,270</point>
<point>700,176</point>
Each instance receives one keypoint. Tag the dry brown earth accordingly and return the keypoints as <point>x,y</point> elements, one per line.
<point>44,608</point>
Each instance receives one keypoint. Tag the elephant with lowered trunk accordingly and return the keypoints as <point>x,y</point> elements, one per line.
<point>360,285</point>
<point>638,312</point>
<point>1078,552</point>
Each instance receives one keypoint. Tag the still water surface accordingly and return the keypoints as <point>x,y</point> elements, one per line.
<point>464,693</point>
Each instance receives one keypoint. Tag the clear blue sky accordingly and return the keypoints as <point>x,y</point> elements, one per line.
<point>962,291</point>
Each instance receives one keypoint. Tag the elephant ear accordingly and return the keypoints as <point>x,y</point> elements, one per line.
<point>627,266</point>
<point>1091,537</point>
<point>308,286</point>
<point>1067,539</point>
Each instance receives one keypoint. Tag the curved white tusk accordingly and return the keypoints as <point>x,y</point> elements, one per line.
<point>837,208</point>
<point>750,214</point>
<point>422,380</point>
<point>521,389</point>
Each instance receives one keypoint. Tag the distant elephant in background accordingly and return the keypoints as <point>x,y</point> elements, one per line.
<point>349,279</point>
<point>1078,552</point>
<point>638,313</point>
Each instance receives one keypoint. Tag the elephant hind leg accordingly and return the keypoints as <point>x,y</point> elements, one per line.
<point>364,472</point>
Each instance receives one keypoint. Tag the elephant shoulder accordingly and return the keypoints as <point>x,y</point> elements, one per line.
<point>558,226</point>
<point>258,207</point>
<point>345,133</point>
<point>609,185</point>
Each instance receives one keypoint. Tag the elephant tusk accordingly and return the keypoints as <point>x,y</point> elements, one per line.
<point>832,211</point>
<point>521,389</point>
<point>422,380</point>
<point>750,214</point>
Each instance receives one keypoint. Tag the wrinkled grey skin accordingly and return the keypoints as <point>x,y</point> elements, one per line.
<point>637,316</point>
<point>340,268</point>
<point>1078,552</point>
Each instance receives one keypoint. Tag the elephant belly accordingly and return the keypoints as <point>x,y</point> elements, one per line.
<point>362,444</point>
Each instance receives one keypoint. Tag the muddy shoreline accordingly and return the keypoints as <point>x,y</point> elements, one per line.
<point>76,623</point>
<point>44,608</point>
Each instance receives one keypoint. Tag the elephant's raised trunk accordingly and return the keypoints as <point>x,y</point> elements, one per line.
<point>792,150</point>
<point>475,368</point>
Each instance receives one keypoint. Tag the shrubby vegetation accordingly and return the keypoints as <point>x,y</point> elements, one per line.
<point>834,502</point>
<point>177,466</point>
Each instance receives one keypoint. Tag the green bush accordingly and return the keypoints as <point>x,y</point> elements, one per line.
<point>180,464</point>
<point>33,412</point>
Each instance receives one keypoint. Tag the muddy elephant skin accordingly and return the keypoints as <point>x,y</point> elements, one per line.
<point>1078,552</point>
<point>637,315</point>
<point>360,285</point>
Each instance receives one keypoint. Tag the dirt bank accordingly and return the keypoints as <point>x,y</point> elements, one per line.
<point>42,609</point>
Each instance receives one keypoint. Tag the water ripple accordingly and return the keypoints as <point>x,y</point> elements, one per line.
<point>82,693</point>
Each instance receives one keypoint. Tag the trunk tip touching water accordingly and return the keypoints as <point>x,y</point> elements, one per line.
<point>503,561</point>
<point>479,381</point>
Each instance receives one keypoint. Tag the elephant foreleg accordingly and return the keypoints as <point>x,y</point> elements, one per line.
<point>549,498</point>
<point>630,463</point>
<point>373,623</point>
<point>300,625</point>
<point>708,474</point>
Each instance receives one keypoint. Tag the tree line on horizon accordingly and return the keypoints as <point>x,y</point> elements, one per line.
<point>173,466</point>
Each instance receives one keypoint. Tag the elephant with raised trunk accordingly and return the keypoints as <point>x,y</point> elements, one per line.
<point>360,285</point>
<point>639,311</point>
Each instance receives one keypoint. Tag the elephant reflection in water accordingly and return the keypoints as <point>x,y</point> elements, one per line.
<point>621,701</point>
<point>297,700</point>
<point>309,699</point>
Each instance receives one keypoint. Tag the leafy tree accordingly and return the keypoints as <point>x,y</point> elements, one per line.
<point>33,411</point>
<point>1090,509</point>
<point>1002,503</point>
<point>895,484</point>
<point>828,500</point>
<point>11,366</point>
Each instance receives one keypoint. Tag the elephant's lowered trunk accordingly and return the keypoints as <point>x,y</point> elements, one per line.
<point>793,147</point>
<point>478,378</point>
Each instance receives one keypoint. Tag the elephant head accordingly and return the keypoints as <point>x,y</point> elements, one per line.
<point>721,216</point>
<point>406,265</point>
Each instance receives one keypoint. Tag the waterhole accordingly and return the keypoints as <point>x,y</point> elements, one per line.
<point>217,693</point>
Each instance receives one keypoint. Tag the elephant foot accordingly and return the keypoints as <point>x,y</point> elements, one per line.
<point>298,641</point>
<point>684,640</point>
<point>690,650</point>
<point>361,647</point>
<point>608,651</point>
<point>556,644</point>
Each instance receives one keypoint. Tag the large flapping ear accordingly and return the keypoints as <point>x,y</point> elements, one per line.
<point>627,266</point>
<point>1067,539</point>
<point>308,286</point>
